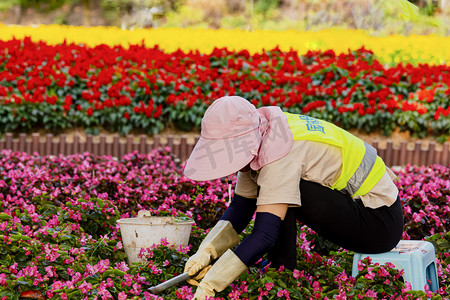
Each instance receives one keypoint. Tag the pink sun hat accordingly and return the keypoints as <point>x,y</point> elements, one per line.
<point>234,133</point>
<point>230,139</point>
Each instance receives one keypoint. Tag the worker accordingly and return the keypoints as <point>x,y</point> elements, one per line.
<point>289,167</point>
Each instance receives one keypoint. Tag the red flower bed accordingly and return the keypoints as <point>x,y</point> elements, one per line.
<point>58,87</point>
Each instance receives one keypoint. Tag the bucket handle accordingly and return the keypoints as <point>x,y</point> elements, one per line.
<point>146,214</point>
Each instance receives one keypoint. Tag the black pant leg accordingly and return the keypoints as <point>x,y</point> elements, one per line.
<point>347,222</point>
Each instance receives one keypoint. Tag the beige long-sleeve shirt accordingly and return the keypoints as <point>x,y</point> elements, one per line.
<point>312,161</point>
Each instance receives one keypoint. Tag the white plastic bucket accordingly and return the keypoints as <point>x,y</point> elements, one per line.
<point>146,230</point>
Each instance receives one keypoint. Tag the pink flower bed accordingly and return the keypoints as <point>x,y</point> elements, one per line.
<point>60,239</point>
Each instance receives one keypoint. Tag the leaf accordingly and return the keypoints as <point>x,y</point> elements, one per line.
<point>23,283</point>
<point>108,273</point>
<point>333,292</point>
<point>5,216</point>
<point>119,273</point>
<point>9,295</point>
<point>282,283</point>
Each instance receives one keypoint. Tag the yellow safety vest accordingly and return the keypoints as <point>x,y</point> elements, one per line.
<point>362,168</point>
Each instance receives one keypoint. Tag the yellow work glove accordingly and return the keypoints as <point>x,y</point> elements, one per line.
<point>226,269</point>
<point>219,239</point>
<point>200,275</point>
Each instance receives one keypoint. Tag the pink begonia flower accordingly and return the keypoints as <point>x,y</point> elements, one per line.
<point>407,287</point>
<point>50,253</point>
<point>429,293</point>
<point>103,265</point>
<point>284,293</point>
<point>3,279</point>
<point>122,266</point>
<point>83,240</point>
<point>234,295</point>
<point>316,286</point>
<point>164,242</point>
<point>109,283</point>
<point>3,226</point>
<point>69,260</point>
<point>13,268</point>
<point>57,285</point>
<point>405,236</point>
<point>76,277</point>
<point>341,296</point>
<point>103,291</point>
<point>91,270</point>
<point>262,293</point>
<point>137,288</point>
<point>370,275</point>
<point>342,276</point>
<point>269,286</point>
<point>371,294</point>
<point>122,296</point>
<point>128,279</point>
<point>50,271</point>
<point>70,272</point>
<point>142,252</point>
<point>29,271</point>
<point>85,287</point>
<point>305,247</point>
<point>184,250</point>
<point>360,266</point>
<point>184,292</point>
<point>417,217</point>
<point>155,270</point>
<point>382,272</point>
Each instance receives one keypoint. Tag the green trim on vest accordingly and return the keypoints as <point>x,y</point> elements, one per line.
<point>353,151</point>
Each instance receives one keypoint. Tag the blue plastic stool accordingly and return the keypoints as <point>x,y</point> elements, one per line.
<point>416,258</point>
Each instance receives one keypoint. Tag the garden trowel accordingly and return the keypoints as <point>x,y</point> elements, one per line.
<point>169,283</point>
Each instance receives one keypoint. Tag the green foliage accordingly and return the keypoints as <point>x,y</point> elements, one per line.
<point>378,17</point>
<point>430,8</point>
<point>40,5</point>
<point>264,6</point>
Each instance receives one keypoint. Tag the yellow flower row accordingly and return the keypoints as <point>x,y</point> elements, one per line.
<point>389,49</point>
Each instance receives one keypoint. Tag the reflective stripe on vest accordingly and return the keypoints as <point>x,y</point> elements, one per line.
<point>363,170</point>
<point>361,167</point>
